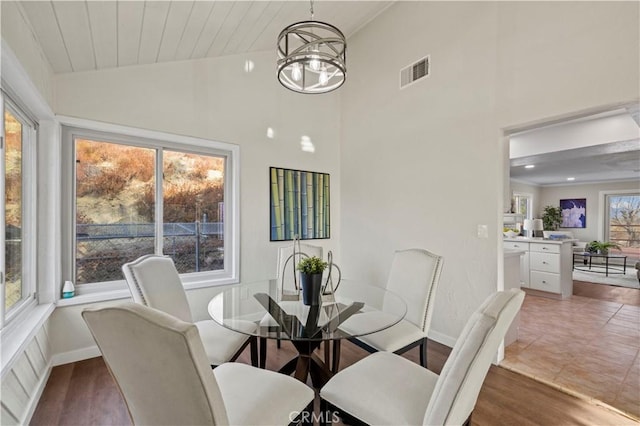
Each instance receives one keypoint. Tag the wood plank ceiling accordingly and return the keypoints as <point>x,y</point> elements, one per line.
<point>92,35</point>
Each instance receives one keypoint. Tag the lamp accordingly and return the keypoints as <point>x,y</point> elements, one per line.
<point>532,225</point>
<point>537,226</point>
<point>527,225</point>
<point>311,57</point>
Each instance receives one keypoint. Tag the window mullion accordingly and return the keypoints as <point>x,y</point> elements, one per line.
<point>159,221</point>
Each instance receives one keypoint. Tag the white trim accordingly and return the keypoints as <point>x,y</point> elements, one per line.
<point>441,338</point>
<point>75,355</point>
<point>98,296</point>
<point>16,77</point>
<point>35,397</point>
<point>146,134</point>
<point>18,334</point>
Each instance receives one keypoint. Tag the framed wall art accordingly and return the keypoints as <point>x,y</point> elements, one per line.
<point>574,213</point>
<point>300,204</point>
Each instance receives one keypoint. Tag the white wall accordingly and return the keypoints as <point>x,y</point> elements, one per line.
<point>551,195</point>
<point>423,166</point>
<point>215,99</point>
<point>16,31</point>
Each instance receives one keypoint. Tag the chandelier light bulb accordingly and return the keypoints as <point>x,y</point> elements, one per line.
<point>323,79</point>
<point>296,73</point>
<point>314,63</point>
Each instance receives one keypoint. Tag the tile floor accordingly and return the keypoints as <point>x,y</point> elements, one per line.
<point>582,345</point>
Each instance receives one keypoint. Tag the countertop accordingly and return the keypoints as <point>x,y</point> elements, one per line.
<point>540,240</point>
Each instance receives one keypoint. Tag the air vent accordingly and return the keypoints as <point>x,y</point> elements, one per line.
<point>414,72</point>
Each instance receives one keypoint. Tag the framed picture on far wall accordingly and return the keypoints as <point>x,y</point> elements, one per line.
<point>574,213</point>
<point>299,204</point>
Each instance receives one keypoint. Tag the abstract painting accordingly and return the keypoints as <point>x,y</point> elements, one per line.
<point>574,213</point>
<point>299,204</point>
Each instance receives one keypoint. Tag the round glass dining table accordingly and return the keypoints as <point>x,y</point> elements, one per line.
<point>367,308</point>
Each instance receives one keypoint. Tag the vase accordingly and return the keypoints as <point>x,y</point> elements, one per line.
<point>311,285</point>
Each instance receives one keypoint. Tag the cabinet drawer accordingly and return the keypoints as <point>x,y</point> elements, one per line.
<point>516,245</point>
<point>546,262</point>
<point>545,281</point>
<point>545,248</point>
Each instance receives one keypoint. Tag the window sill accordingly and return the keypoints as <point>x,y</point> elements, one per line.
<point>17,335</point>
<point>101,296</point>
<point>124,293</point>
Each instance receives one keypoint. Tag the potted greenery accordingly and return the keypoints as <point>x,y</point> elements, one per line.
<point>311,269</point>
<point>601,247</point>
<point>551,218</point>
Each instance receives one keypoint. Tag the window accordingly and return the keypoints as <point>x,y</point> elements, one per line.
<point>132,196</point>
<point>622,221</point>
<point>522,204</point>
<point>19,135</point>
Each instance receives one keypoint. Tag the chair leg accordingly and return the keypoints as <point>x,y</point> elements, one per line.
<point>327,353</point>
<point>324,408</point>
<point>262,363</point>
<point>423,353</point>
<point>253,347</point>
<point>336,356</point>
<point>278,344</point>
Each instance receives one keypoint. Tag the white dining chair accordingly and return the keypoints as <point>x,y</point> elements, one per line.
<point>387,389</point>
<point>162,371</point>
<point>286,274</point>
<point>154,281</point>
<point>415,274</point>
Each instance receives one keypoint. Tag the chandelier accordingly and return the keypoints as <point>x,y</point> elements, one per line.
<point>311,57</point>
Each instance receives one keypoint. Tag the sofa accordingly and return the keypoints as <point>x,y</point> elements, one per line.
<point>578,246</point>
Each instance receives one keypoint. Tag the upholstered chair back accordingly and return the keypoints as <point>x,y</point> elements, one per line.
<point>415,274</point>
<point>286,264</point>
<point>159,364</point>
<point>459,383</point>
<point>154,282</point>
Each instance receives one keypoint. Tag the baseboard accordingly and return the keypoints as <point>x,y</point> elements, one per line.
<point>76,355</point>
<point>33,403</point>
<point>442,338</point>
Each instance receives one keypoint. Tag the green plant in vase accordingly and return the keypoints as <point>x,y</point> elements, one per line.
<point>601,247</point>
<point>311,269</point>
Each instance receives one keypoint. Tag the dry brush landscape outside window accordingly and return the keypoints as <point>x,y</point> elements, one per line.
<point>116,205</point>
<point>13,209</point>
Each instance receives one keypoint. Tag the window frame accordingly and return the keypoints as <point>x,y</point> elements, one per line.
<point>72,128</point>
<point>604,210</point>
<point>28,229</point>
<point>529,198</point>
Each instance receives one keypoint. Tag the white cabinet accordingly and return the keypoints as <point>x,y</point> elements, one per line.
<point>524,259</point>
<point>546,265</point>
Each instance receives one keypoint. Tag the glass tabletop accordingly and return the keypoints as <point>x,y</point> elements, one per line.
<point>259,309</point>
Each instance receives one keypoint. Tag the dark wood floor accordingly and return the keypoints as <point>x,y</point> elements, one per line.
<point>83,393</point>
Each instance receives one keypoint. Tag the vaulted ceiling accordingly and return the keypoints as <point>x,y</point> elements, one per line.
<point>85,35</point>
<point>92,35</point>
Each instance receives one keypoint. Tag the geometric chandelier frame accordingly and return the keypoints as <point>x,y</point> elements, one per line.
<point>312,57</point>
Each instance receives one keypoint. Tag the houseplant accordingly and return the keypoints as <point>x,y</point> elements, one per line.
<point>311,269</point>
<point>601,247</point>
<point>551,218</point>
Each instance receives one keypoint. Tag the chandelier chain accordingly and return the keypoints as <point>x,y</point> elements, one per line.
<point>311,9</point>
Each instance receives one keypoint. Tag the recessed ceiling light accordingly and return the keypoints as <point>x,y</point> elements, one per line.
<point>571,178</point>
<point>529,166</point>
